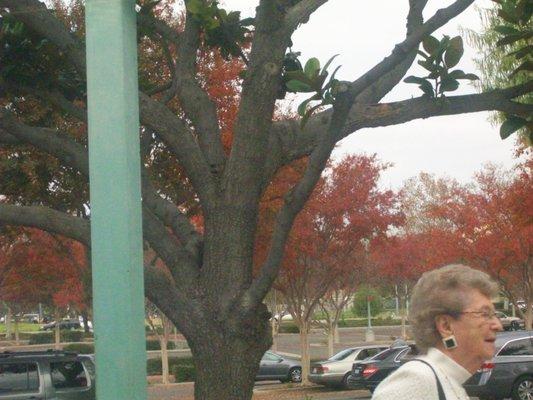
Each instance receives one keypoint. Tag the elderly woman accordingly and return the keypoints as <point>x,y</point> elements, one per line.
<point>453,323</point>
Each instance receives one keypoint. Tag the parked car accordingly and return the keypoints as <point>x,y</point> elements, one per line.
<point>32,318</point>
<point>63,324</point>
<point>510,373</point>
<point>49,374</point>
<point>277,367</point>
<point>510,323</point>
<point>369,374</point>
<point>335,370</point>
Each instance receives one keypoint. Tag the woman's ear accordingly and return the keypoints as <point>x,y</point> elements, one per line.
<point>443,323</point>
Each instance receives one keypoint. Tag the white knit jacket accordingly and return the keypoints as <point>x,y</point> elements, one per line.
<point>415,380</point>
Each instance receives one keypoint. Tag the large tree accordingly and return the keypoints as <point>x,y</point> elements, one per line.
<point>209,291</point>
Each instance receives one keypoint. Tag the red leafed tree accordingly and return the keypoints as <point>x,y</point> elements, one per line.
<point>345,213</point>
<point>402,259</point>
<point>494,226</point>
<point>37,267</point>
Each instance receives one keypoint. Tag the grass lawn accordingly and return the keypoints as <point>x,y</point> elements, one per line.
<point>23,327</point>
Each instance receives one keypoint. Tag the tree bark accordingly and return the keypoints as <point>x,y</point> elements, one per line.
<point>529,313</point>
<point>226,357</point>
<point>331,338</point>
<point>57,341</point>
<point>336,336</point>
<point>17,336</point>
<point>304,348</point>
<point>164,355</point>
<point>9,316</point>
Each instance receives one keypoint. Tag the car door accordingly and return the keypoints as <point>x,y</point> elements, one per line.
<point>71,380</point>
<point>20,380</point>
<point>269,366</point>
<point>513,360</point>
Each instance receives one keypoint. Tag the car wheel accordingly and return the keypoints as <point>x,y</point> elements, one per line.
<point>295,375</point>
<point>523,389</point>
<point>515,326</point>
<point>344,383</point>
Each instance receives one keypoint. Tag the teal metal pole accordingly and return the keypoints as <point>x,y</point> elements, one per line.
<point>116,227</point>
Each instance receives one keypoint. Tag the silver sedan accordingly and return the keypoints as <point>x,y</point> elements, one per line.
<point>335,370</point>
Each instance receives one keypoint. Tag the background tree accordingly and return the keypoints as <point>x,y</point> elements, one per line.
<point>505,53</point>
<point>42,268</point>
<point>214,298</point>
<point>345,213</point>
<point>493,225</point>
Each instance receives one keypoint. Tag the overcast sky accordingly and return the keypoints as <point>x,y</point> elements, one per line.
<point>363,33</point>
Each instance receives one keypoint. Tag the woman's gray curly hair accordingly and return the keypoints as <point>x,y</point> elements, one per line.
<point>444,290</point>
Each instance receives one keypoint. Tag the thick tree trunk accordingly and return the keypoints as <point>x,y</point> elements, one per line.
<point>304,348</point>
<point>227,359</point>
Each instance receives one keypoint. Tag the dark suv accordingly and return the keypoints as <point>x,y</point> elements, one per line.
<point>509,373</point>
<point>46,375</point>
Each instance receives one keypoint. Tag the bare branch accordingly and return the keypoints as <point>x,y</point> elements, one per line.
<point>46,219</point>
<point>300,13</point>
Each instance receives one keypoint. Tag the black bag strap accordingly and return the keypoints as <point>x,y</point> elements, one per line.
<point>442,396</point>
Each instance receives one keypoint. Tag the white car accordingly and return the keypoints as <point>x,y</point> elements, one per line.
<point>335,370</point>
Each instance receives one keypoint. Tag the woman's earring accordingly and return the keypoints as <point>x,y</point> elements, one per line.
<point>449,342</point>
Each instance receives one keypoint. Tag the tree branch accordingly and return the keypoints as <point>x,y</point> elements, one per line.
<point>301,11</point>
<point>373,94</point>
<point>75,155</point>
<point>183,267</point>
<point>195,101</point>
<point>387,114</point>
<point>35,15</point>
<point>161,290</point>
<point>159,26</point>
<point>169,127</point>
<point>288,142</point>
<point>411,42</point>
<point>46,219</point>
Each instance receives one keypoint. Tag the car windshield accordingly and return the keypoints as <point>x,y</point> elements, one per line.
<point>341,355</point>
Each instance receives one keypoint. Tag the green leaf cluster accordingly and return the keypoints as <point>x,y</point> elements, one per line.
<point>35,62</point>
<point>312,78</point>
<point>221,29</point>
<point>439,58</point>
<point>516,32</point>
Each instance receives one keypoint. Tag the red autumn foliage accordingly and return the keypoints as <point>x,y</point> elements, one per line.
<point>37,267</point>
<point>493,224</point>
